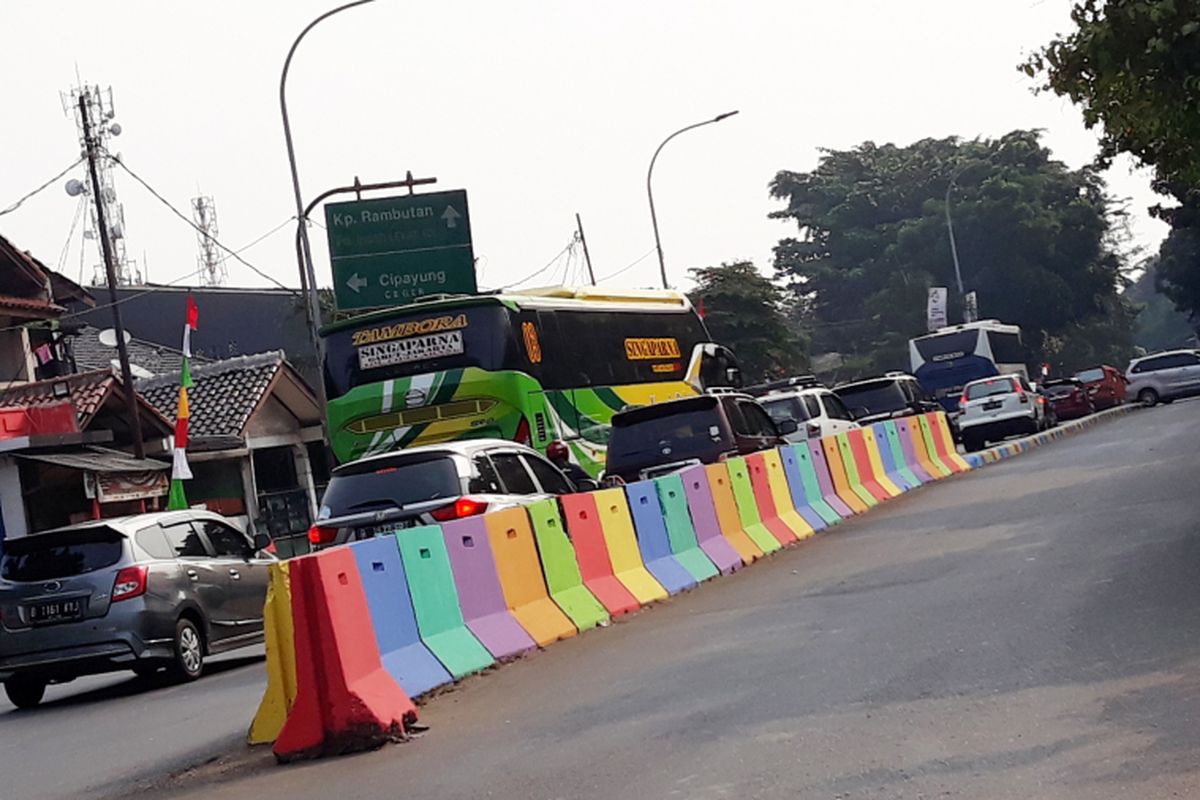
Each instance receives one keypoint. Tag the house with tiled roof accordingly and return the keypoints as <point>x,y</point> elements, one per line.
<point>89,351</point>
<point>255,445</point>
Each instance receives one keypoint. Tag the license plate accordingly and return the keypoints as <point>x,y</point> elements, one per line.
<point>386,529</point>
<point>56,611</point>
<point>992,405</point>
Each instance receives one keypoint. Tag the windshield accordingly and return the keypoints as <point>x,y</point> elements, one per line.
<point>415,343</point>
<point>989,388</point>
<point>63,554</point>
<point>785,408</point>
<point>672,437</point>
<point>875,397</point>
<point>385,484</point>
<point>1090,375</point>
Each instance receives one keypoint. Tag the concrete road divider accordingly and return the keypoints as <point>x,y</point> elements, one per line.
<point>943,440</point>
<point>819,461</point>
<point>622,544</point>
<point>721,491</point>
<point>583,526</point>
<point>773,496</point>
<point>435,602</point>
<point>922,452</point>
<point>860,456</point>
<point>404,655</point>
<point>345,699</point>
<point>927,441</point>
<point>743,494</point>
<point>521,577</point>
<point>681,534</point>
<point>479,594</point>
<point>795,481</point>
<point>281,659</point>
<point>881,449</point>
<point>651,525</point>
<point>561,568</point>
<point>845,477</point>
<point>911,455</point>
<point>899,457</point>
<point>702,514</point>
<point>878,467</point>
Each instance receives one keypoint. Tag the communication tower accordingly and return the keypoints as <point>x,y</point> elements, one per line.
<point>213,271</point>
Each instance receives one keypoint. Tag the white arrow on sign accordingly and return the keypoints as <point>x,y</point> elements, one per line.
<point>356,282</point>
<point>451,216</point>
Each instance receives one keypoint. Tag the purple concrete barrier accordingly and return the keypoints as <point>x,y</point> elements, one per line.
<point>910,455</point>
<point>479,593</point>
<point>704,520</point>
<point>821,467</point>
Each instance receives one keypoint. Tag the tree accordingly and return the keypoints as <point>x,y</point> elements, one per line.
<point>1159,326</point>
<point>747,313</point>
<point>1035,241</point>
<point>1133,67</point>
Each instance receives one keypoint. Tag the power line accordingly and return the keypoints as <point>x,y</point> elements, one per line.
<point>266,235</point>
<point>44,186</point>
<point>549,264</point>
<point>627,267</point>
<point>200,230</point>
<point>62,255</point>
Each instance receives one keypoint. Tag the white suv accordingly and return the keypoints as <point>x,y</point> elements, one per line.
<point>817,411</point>
<point>1164,376</point>
<point>994,408</point>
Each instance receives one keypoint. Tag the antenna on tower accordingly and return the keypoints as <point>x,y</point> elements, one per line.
<point>97,104</point>
<point>213,271</point>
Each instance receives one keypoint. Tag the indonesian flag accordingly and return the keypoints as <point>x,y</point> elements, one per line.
<point>180,470</point>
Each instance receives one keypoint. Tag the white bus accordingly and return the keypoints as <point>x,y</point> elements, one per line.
<point>949,358</point>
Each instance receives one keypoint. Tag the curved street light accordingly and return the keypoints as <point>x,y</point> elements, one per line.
<point>308,276</point>
<point>662,267</point>
<point>950,229</point>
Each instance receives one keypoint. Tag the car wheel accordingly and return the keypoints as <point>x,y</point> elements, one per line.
<point>25,691</point>
<point>188,660</point>
<point>1148,397</point>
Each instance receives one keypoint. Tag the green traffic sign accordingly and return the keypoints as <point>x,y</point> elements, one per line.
<point>390,251</point>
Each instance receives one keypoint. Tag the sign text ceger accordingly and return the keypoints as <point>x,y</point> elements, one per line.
<point>651,349</point>
<point>400,330</point>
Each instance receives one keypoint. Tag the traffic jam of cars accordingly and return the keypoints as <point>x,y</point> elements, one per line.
<point>160,592</point>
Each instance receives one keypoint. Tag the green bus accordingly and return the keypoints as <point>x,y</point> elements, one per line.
<point>533,367</point>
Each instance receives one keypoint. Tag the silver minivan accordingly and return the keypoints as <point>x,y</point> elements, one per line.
<point>143,593</point>
<point>1164,376</point>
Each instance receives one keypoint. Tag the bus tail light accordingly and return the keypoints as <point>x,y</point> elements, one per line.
<point>459,509</point>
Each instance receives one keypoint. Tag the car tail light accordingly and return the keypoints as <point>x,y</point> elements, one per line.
<point>130,582</point>
<point>962,401</point>
<point>522,435</point>
<point>812,430</point>
<point>460,508</point>
<point>321,534</point>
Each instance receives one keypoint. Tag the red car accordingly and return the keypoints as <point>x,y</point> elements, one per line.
<point>1105,384</point>
<point>1069,398</point>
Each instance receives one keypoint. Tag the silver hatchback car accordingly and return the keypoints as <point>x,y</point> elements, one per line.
<point>142,593</point>
<point>1163,377</point>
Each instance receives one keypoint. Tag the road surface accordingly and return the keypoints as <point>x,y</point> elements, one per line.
<point>1027,630</point>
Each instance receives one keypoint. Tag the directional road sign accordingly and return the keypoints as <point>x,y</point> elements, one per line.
<point>392,250</point>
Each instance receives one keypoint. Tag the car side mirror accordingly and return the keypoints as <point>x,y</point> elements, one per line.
<point>261,542</point>
<point>586,485</point>
<point>787,427</point>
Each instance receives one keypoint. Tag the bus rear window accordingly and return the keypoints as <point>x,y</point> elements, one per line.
<point>415,343</point>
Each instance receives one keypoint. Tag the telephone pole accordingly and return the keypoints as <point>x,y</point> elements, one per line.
<point>586,256</point>
<point>91,145</point>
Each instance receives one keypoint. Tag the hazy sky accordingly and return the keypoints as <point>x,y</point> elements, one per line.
<point>538,109</point>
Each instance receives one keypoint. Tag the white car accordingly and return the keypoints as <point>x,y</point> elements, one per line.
<point>1164,376</point>
<point>817,412</point>
<point>1006,405</point>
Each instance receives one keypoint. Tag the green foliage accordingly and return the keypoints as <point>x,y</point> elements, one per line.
<point>1159,326</point>
<point>1034,241</point>
<point>1133,67</point>
<point>747,313</point>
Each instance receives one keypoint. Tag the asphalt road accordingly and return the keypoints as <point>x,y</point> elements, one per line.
<point>1027,630</point>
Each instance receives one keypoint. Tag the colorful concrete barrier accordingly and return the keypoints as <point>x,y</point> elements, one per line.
<point>681,533</point>
<point>650,523</point>
<point>623,552</point>
<point>773,494</point>
<point>281,659</point>
<point>561,569</point>
<point>583,526</point>
<point>521,580</point>
<point>721,491</point>
<point>858,464</point>
<point>847,487</point>
<point>703,515</point>
<point>769,539</point>
<point>799,476</point>
<point>903,467</point>
<point>820,469</point>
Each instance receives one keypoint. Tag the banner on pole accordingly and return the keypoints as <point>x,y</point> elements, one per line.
<point>935,308</point>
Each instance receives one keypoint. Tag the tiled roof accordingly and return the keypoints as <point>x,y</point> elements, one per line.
<point>154,358</point>
<point>224,396</point>
<point>32,305</point>
<point>88,392</point>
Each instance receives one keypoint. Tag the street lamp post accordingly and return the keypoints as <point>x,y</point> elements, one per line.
<point>950,230</point>
<point>308,276</point>
<point>662,267</point>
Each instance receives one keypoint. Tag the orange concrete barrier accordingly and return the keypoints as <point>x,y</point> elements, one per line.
<point>521,577</point>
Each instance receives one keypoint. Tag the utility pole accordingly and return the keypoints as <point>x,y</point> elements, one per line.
<point>110,270</point>
<point>586,256</point>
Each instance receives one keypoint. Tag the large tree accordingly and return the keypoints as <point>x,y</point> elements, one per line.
<point>1034,240</point>
<point>1133,67</point>
<point>747,313</point>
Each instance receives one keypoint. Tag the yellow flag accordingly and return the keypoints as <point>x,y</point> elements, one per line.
<point>183,412</point>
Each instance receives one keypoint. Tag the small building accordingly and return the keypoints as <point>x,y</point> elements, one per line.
<point>255,444</point>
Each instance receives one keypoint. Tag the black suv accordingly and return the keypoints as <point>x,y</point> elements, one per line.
<point>893,395</point>
<point>648,441</point>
